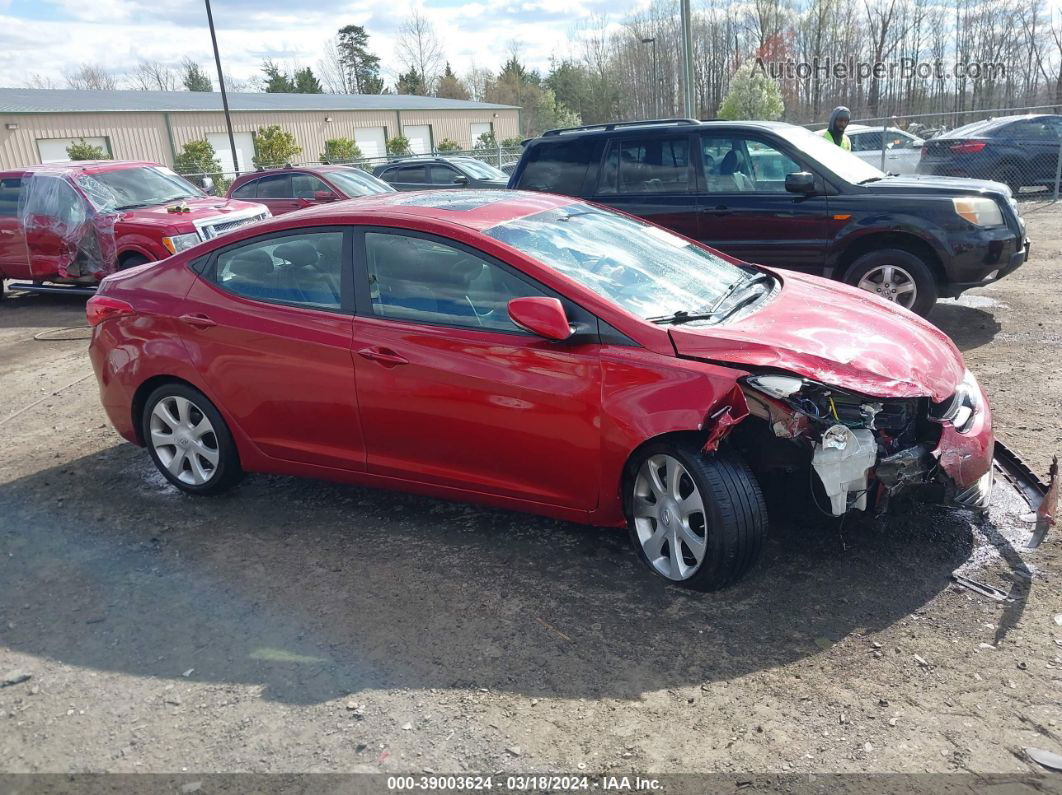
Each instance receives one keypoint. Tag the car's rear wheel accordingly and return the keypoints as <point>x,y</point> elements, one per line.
<point>1010,176</point>
<point>696,520</point>
<point>189,441</point>
<point>898,276</point>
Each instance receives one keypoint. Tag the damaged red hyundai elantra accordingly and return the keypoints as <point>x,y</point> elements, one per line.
<point>538,353</point>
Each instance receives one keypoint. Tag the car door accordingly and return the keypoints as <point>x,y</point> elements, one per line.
<point>56,222</point>
<point>307,187</point>
<point>275,192</point>
<point>903,151</point>
<point>745,209</point>
<point>441,176</point>
<point>651,176</point>
<point>268,326</point>
<point>407,178</point>
<point>451,393</point>
<point>14,258</point>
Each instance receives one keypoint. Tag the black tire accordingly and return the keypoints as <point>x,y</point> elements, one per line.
<point>1010,176</point>
<point>926,289</point>
<point>132,261</point>
<point>226,473</point>
<point>735,515</point>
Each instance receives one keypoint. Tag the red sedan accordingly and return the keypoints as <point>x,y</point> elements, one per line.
<point>538,353</point>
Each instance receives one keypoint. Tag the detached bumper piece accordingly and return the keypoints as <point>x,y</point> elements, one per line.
<point>1041,497</point>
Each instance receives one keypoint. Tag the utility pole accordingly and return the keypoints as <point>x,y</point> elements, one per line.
<point>687,62</point>
<point>224,95</point>
<point>656,82</point>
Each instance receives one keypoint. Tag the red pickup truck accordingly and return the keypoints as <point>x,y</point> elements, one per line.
<point>72,224</point>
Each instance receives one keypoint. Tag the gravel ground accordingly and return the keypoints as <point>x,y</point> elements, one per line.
<point>299,626</point>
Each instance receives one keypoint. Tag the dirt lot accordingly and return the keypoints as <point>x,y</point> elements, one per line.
<point>304,626</point>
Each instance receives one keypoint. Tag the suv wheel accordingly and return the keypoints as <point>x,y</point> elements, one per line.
<point>697,521</point>
<point>189,441</point>
<point>132,261</point>
<point>896,275</point>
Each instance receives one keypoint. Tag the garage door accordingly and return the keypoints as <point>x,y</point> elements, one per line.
<point>372,141</point>
<point>53,150</point>
<point>419,136</point>
<point>244,150</point>
<point>479,129</point>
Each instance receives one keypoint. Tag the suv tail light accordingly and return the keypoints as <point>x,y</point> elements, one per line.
<point>967,147</point>
<point>102,307</point>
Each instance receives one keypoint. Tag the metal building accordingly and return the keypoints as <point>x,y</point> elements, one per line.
<point>37,125</point>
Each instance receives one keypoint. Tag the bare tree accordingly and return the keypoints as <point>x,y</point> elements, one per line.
<point>40,81</point>
<point>476,80</point>
<point>419,50</point>
<point>334,76</point>
<point>90,77</point>
<point>154,76</point>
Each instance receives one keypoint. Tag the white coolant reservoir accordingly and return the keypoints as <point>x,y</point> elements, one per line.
<point>842,460</point>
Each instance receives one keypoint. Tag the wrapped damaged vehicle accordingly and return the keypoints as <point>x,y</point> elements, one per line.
<point>537,353</point>
<point>71,224</point>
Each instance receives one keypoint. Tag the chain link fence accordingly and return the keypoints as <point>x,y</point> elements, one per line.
<point>1020,147</point>
<point>500,157</point>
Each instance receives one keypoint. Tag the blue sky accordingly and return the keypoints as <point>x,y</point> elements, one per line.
<point>49,37</point>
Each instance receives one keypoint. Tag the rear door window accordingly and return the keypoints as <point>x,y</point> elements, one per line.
<point>557,166</point>
<point>304,186</point>
<point>648,165</point>
<point>10,188</point>
<point>277,186</point>
<point>247,190</point>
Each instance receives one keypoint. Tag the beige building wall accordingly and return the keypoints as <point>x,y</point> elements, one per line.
<point>145,136</point>
<point>132,136</point>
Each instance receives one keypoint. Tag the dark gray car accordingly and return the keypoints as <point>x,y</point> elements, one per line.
<point>437,173</point>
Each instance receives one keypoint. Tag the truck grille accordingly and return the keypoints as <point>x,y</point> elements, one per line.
<point>220,227</point>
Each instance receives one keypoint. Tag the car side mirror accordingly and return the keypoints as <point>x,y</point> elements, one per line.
<point>800,182</point>
<point>208,184</point>
<point>461,179</point>
<point>324,196</point>
<point>542,316</point>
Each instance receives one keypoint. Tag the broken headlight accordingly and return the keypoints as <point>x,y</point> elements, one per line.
<point>964,406</point>
<point>776,386</point>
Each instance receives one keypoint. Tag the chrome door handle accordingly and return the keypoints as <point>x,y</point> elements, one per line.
<point>384,356</point>
<point>198,320</point>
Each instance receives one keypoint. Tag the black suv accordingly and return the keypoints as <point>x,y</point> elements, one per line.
<point>437,173</point>
<point>1017,150</point>
<point>783,196</point>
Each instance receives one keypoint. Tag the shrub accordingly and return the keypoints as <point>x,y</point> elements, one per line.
<point>399,145</point>
<point>197,160</point>
<point>86,151</point>
<point>448,145</point>
<point>274,146</point>
<point>340,150</point>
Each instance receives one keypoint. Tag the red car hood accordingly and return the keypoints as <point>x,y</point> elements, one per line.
<point>837,335</point>
<point>207,207</point>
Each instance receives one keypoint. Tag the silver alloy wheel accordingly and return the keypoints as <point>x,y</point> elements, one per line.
<point>184,440</point>
<point>892,283</point>
<point>669,517</point>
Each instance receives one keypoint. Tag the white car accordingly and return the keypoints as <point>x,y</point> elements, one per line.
<point>902,149</point>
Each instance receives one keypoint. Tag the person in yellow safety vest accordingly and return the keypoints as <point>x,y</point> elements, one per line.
<point>839,119</point>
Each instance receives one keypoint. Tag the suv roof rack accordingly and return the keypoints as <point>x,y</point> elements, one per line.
<point>614,124</point>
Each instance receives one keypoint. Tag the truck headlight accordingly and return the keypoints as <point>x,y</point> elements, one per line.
<point>978,210</point>
<point>178,243</point>
<point>965,405</point>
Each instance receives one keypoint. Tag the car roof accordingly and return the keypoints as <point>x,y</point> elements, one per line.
<point>86,166</point>
<point>265,172</point>
<point>663,125</point>
<point>473,209</point>
<point>984,125</point>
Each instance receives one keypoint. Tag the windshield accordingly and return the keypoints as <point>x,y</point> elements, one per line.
<point>480,170</point>
<point>143,186</point>
<point>844,164</point>
<point>644,269</point>
<point>355,182</point>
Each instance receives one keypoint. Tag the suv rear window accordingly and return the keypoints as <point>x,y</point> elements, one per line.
<point>557,166</point>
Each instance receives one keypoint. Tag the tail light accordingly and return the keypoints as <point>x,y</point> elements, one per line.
<point>103,307</point>
<point>967,147</point>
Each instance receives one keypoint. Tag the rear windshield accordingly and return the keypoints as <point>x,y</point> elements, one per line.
<point>975,128</point>
<point>556,166</point>
<point>355,182</point>
<point>481,170</point>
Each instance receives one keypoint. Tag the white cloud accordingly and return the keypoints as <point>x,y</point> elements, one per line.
<point>119,33</point>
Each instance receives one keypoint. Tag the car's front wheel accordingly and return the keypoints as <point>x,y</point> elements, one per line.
<point>696,520</point>
<point>189,441</point>
<point>898,276</point>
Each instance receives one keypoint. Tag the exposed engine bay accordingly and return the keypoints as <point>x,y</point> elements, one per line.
<point>861,450</point>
